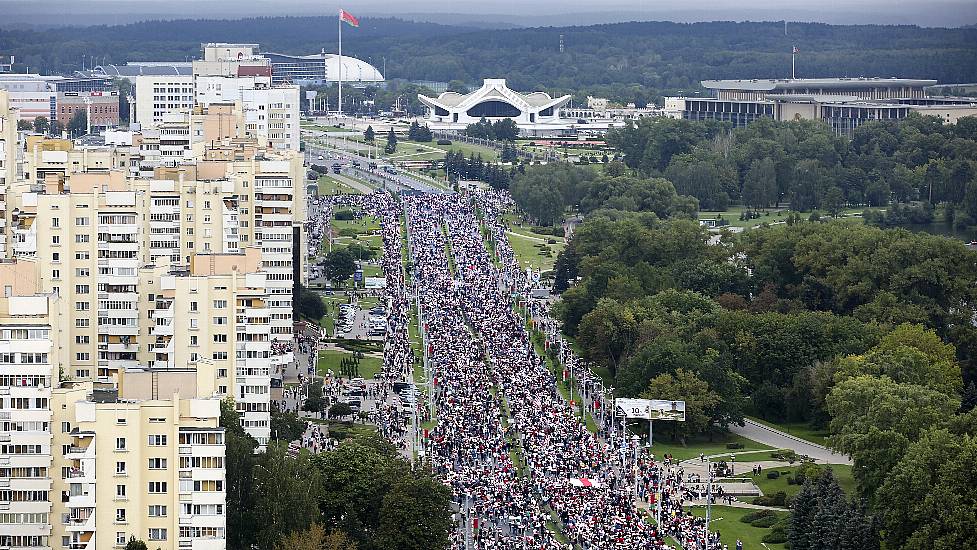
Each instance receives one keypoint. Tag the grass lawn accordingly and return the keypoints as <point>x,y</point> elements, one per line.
<point>405,147</point>
<point>529,252</point>
<point>774,215</point>
<point>726,520</point>
<point>664,445</point>
<point>329,359</point>
<point>341,430</point>
<point>802,430</point>
<point>330,186</point>
<point>842,473</point>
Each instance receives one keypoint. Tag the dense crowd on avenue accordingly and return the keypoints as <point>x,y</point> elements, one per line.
<point>521,464</point>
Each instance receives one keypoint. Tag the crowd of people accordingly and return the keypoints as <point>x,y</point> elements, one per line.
<point>512,449</point>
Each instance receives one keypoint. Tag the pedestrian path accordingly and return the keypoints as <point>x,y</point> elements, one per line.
<point>781,440</point>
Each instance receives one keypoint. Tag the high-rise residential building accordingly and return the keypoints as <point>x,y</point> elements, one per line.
<point>29,365</point>
<point>145,462</point>
<point>8,161</point>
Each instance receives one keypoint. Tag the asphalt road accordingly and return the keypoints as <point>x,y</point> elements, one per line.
<point>350,152</point>
<point>780,440</point>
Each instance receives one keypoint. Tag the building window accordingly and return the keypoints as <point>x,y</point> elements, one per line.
<point>120,538</point>
<point>120,515</point>
<point>157,463</point>
<point>120,444</point>
<point>157,440</point>
<point>157,487</point>
<point>120,491</point>
<point>157,534</point>
<point>157,511</point>
<point>120,468</point>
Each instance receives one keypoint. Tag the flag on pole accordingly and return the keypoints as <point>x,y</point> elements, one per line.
<point>348,17</point>
<point>796,50</point>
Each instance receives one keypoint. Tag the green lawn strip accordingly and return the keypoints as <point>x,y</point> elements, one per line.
<point>663,443</point>
<point>343,429</point>
<point>775,214</point>
<point>842,472</point>
<point>488,153</point>
<point>530,252</point>
<point>330,186</point>
<point>329,359</point>
<point>802,430</point>
<point>726,520</point>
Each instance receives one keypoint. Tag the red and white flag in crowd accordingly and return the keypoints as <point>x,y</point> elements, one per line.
<point>583,482</point>
<point>348,18</point>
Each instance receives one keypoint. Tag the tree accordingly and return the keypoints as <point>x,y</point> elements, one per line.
<point>823,518</point>
<point>391,146</point>
<point>316,538</point>
<point>699,400</point>
<point>415,515</point>
<point>339,266</point>
<point>24,125</point>
<point>286,426</point>
<point>309,304</point>
<point>135,544</point>
<point>505,130</point>
<point>41,124</point>
<point>286,489</point>
<point>340,410</point>
<point>875,420</point>
<point>56,128</point>
<point>833,200</point>
<point>78,123</point>
<point>369,134</point>
<point>929,498</point>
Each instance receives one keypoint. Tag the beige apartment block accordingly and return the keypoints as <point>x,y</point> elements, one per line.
<point>29,367</point>
<point>142,465</point>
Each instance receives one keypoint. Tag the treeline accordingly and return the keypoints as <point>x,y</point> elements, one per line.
<point>544,192</point>
<point>861,330</point>
<point>358,496</point>
<point>805,165</point>
<point>626,62</point>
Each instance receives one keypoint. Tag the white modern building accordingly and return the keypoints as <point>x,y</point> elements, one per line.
<point>322,68</point>
<point>536,113</point>
<point>157,95</point>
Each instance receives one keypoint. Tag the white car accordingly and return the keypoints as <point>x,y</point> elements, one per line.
<point>320,157</point>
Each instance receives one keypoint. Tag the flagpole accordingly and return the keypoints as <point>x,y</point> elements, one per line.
<point>339,110</point>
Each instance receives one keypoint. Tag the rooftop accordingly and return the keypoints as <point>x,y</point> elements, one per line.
<point>822,83</point>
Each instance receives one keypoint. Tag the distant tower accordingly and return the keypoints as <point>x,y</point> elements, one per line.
<point>561,43</point>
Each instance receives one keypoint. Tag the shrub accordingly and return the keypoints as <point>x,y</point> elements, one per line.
<point>550,241</point>
<point>775,536</point>
<point>734,445</point>
<point>773,475</point>
<point>766,521</point>
<point>444,142</point>
<point>777,499</point>
<point>344,215</point>
<point>348,232</point>
<point>755,515</point>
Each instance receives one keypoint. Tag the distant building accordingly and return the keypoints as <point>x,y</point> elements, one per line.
<point>157,95</point>
<point>843,103</point>
<point>132,69</point>
<point>103,107</point>
<point>322,68</point>
<point>536,113</point>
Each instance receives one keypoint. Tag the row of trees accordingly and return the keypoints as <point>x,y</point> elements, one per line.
<point>503,129</point>
<point>806,165</point>
<point>419,132</point>
<point>457,166</point>
<point>361,495</point>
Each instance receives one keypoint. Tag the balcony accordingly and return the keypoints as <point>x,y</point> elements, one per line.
<point>77,453</point>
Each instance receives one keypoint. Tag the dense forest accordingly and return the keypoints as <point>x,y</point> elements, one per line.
<point>863,331</point>
<point>803,164</point>
<point>626,62</point>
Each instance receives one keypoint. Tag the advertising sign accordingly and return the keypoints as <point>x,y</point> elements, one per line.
<point>650,409</point>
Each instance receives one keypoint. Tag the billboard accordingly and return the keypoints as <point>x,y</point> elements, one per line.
<point>651,409</point>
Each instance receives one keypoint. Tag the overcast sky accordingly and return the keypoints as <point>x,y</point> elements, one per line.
<point>520,12</point>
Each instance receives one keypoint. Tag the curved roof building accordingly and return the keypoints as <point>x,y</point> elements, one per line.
<point>321,68</point>
<point>534,113</point>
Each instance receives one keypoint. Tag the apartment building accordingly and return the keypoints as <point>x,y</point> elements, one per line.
<point>146,462</point>
<point>271,116</point>
<point>213,316</point>
<point>8,160</point>
<point>29,364</point>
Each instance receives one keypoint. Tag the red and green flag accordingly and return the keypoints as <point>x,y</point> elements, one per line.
<point>348,17</point>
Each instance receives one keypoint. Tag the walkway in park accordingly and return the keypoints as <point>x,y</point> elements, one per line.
<point>780,440</point>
